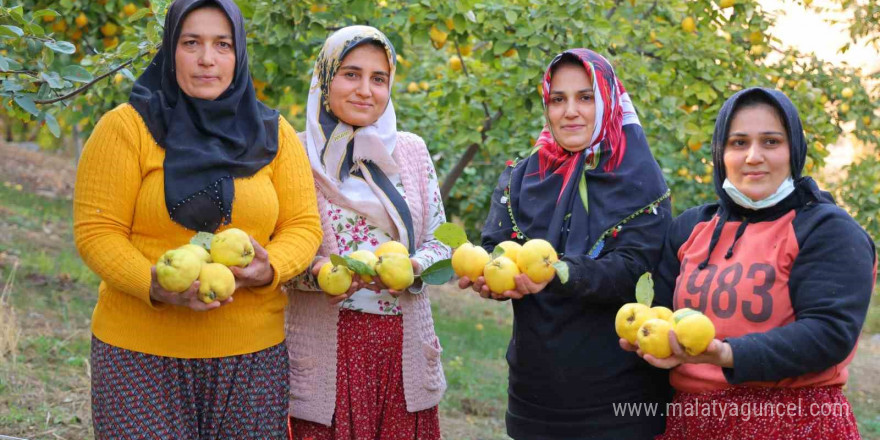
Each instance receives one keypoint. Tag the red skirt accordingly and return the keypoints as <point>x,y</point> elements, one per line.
<point>370,403</point>
<point>761,413</point>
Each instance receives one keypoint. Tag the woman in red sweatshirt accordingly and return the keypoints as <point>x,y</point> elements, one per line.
<point>784,274</point>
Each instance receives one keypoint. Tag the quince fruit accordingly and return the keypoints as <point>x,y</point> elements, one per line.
<point>469,260</point>
<point>177,269</point>
<point>662,312</point>
<point>678,313</point>
<point>368,258</point>
<point>455,63</point>
<point>438,37</point>
<point>694,331</point>
<point>653,338</point>
<point>395,270</point>
<point>499,274</point>
<point>232,247</point>
<point>335,280</point>
<point>629,318</point>
<point>198,251</point>
<point>391,247</point>
<point>216,283</point>
<point>535,259</point>
<point>511,249</point>
<point>109,29</point>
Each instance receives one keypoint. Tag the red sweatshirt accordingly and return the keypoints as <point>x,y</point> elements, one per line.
<point>787,287</point>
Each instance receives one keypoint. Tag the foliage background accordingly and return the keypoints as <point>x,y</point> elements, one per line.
<point>477,116</point>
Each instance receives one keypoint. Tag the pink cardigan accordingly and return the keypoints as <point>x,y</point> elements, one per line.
<point>312,322</point>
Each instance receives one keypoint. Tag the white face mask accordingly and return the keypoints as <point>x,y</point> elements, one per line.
<point>743,200</point>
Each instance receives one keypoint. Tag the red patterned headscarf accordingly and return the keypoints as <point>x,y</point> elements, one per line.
<point>608,92</point>
<point>572,199</point>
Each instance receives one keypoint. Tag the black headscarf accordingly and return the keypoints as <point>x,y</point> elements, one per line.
<point>574,200</point>
<point>207,143</point>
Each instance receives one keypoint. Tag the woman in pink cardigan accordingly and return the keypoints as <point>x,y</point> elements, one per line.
<point>365,365</point>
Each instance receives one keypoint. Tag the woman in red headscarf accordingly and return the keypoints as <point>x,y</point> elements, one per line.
<point>594,191</point>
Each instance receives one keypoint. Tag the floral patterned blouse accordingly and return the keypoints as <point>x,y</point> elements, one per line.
<point>353,232</point>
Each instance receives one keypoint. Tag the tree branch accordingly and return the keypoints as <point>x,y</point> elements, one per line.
<point>86,86</point>
<point>21,72</point>
<point>467,157</point>
<point>464,69</point>
<point>612,10</point>
<point>650,10</point>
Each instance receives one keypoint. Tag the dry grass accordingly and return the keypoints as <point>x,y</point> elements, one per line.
<point>10,331</point>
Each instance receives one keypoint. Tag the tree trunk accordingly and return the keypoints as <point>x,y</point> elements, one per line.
<point>456,171</point>
<point>468,155</point>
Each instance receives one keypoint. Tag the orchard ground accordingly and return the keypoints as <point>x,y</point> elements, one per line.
<point>44,386</point>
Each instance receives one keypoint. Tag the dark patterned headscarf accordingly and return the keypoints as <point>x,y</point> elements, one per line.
<point>207,143</point>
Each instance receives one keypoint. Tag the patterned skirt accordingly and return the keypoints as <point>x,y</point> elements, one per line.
<point>141,396</point>
<point>370,403</point>
<point>761,413</point>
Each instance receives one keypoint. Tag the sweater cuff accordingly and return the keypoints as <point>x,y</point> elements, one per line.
<point>273,285</point>
<point>143,293</point>
<point>417,287</point>
<point>743,362</point>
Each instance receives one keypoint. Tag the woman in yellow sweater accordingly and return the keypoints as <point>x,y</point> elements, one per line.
<point>193,150</point>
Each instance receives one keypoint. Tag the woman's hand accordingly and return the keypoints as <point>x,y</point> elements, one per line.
<point>378,286</point>
<point>718,353</point>
<point>258,273</point>
<point>356,282</point>
<point>524,286</point>
<point>188,298</point>
<point>479,286</point>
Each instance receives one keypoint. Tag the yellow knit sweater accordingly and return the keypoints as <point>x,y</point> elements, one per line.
<point>121,227</point>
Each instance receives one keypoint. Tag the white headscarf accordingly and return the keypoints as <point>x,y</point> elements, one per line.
<point>328,140</point>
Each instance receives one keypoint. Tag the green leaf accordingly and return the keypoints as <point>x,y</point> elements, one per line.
<point>8,30</point>
<point>45,12</point>
<point>685,314</point>
<point>17,14</point>
<point>338,260</point>
<point>202,239</point>
<point>141,13</point>
<point>451,235</point>
<point>11,85</point>
<point>27,103</point>
<point>438,273</point>
<point>127,49</point>
<point>561,271</point>
<point>52,123</point>
<point>35,29</point>
<point>4,63</point>
<point>127,73</point>
<point>61,47</point>
<point>582,190</point>
<point>497,252</point>
<point>160,7</point>
<point>53,79</point>
<point>76,74</point>
<point>359,267</point>
<point>645,289</point>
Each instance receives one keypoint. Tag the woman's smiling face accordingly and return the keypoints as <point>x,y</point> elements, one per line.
<point>756,151</point>
<point>360,90</point>
<point>571,108</point>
